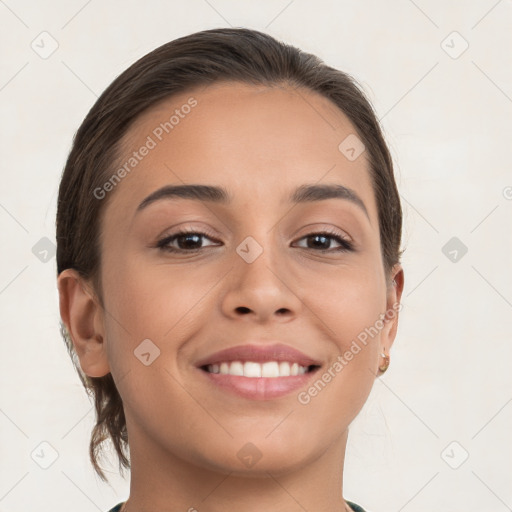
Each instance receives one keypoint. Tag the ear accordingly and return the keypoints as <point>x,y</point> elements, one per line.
<point>83,317</point>
<point>393,307</point>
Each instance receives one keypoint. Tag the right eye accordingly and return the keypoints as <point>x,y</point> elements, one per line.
<point>187,241</point>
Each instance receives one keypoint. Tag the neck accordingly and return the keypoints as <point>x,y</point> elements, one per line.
<point>161,481</point>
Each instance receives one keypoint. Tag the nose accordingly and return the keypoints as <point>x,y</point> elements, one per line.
<point>261,290</point>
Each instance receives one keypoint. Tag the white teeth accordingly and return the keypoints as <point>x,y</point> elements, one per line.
<point>254,370</point>
<point>284,369</point>
<point>270,369</point>
<point>236,368</point>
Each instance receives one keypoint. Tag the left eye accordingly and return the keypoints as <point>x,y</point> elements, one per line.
<point>324,238</point>
<point>191,241</point>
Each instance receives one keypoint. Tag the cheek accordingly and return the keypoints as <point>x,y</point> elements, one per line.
<point>346,300</point>
<point>348,305</point>
<point>146,317</point>
<point>151,301</point>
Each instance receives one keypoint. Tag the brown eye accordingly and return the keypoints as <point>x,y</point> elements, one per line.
<point>322,241</point>
<point>185,241</point>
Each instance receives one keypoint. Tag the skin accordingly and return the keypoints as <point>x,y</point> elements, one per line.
<point>260,143</point>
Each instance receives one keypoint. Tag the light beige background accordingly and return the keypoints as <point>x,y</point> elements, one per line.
<point>447,117</point>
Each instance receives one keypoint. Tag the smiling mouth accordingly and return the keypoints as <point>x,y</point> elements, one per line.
<point>252,369</point>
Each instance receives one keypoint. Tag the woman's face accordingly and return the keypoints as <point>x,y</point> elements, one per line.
<point>254,273</point>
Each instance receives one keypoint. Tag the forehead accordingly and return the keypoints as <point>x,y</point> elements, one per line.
<point>257,141</point>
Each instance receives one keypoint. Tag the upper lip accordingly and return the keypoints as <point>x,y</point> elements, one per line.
<point>259,354</point>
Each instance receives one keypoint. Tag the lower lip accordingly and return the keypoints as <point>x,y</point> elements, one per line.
<point>259,388</point>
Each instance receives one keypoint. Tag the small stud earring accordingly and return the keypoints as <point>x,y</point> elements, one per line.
<point>385,365</point>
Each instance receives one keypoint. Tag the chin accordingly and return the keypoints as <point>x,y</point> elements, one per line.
<point>256,458</point>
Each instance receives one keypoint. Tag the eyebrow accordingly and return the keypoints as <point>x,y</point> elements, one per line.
<point>219,195</point>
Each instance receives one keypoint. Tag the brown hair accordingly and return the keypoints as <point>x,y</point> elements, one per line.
<point>199,59</point>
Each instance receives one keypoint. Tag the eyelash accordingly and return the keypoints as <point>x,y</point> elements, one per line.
<point>162,244</point>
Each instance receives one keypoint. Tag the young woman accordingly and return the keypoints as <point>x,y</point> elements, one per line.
<point>229,274</point>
